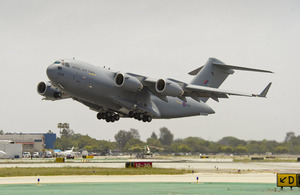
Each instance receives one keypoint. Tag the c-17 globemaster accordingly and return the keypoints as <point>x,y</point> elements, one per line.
<point>114,94</point>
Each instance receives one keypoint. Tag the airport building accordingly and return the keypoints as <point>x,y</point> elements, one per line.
<point>9,149</point>
<point>32,142</point>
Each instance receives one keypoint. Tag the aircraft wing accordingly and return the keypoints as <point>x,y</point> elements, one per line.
<point>196,92</point>
<point>150,84</point>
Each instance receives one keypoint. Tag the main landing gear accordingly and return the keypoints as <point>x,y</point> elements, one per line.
<point>108,116</point>
<point>140,116</point>
<point>112,117</point>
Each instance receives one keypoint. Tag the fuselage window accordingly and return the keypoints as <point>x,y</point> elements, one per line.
<point>67,64</point>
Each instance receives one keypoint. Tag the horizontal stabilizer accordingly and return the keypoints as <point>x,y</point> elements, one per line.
<point>195,72</point>
<point>228,67</point>
<point>239,68</point>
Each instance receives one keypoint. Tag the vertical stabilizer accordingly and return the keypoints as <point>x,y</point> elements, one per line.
<point>210,75</point>
<point>214,73</point>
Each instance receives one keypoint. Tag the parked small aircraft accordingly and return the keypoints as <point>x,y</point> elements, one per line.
<point>66,152</point>
<point>2,153</point>
<point>114,94</point>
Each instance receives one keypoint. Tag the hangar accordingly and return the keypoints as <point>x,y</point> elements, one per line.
<point>32,142</point>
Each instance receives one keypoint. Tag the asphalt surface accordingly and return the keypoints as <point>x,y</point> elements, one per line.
<point>216,177</point>
<point>145,188</point>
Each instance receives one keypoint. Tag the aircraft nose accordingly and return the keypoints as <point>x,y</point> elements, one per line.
<point>211,111</point>
<point>51,71</point>
<point>208,110</point>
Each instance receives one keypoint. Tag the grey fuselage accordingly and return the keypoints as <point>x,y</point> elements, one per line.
<point>96,88</point>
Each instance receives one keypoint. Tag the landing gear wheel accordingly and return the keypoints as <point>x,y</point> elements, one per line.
<point>100,116</point>
<point>131,114</point>
<point>140,116</point>
<point>149,118</point>
<point>108,119</point>
<point>117,117</point>
<point>113,119</point>
<point>108,115</point>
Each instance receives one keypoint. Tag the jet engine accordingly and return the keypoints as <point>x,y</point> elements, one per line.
<point>168,88</point>
<point>48,90</point>
<point>128,83</point>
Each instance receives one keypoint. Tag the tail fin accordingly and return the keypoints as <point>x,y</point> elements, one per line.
<point>209,75</point>
<point>214,73</point>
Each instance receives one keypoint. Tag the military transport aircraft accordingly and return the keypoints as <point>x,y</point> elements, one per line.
<point>114,94</point>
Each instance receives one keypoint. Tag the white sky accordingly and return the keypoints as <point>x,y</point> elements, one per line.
<point>157,38</point>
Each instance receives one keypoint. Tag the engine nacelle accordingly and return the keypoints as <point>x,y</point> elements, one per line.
<point>47,90</point>
<point>128,83</point>
<point>168,88</point>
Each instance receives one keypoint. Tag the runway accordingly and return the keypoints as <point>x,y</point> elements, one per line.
<point>192,178</point>
<point>145,188</point>
<point>247,172</point>
<point>215,177</point>
<point>193,165</point>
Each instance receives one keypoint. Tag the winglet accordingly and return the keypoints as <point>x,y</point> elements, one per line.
<point>265,91</point>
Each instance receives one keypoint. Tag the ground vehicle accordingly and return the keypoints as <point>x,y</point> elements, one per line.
<point>48,154</point>
<point>26,154</point>
<point>70,156</point>
<point>36,155</point>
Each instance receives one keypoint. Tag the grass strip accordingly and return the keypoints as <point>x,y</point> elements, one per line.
<point>50,171</point>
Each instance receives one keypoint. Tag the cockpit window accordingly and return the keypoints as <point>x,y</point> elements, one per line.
<point>66,64</point>
<point>57,62</point>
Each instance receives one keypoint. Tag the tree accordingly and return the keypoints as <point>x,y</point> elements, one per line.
<point>154,142</point>
<point>281,150</point>
<point>86,141</point>
<point>166,137</point>
<point>135,134</point>
<point>63,125</point>
<point>293,144</point>
<point>289,135</point>
<point>183,148</point>
<point>197,144</point>
<point>232,141</point>
<point>65,143</point>
<point>88,148</point>
<point>105,146</point>
<point>65,129</point>
<point>134,145</point>
<point>153,135</point>
<point>49,132</point>
<point>1,132</point>
<point>254,147</point>
<point>122,137</point>
<point>241,150</point>
<point>227,149</point>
